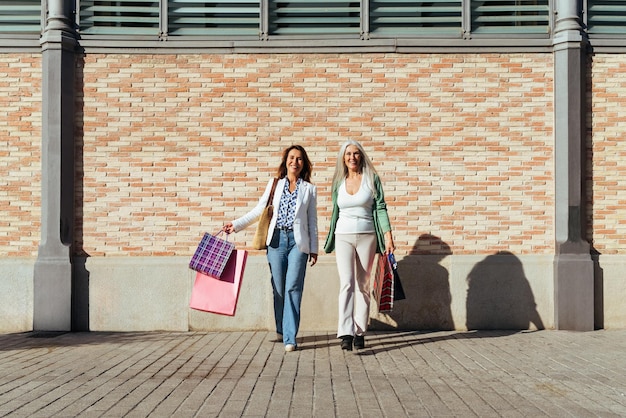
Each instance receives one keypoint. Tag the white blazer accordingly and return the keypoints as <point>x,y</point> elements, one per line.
<point>305,222</point>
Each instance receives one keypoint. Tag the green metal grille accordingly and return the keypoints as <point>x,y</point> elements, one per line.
<point>305,17</point>
<point>120,17</point>
<point>606,17</point>
<point>387,18</point>
<point>415,18</point>
<point>20,16</point>
<point>510,16</point>
<point>218,17</point>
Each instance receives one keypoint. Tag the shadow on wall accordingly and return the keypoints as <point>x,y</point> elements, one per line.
<point>80,274</point>
<point>589,199</point>
<point>499,295</point>
<point>426,284</point>
<point>598,289</point>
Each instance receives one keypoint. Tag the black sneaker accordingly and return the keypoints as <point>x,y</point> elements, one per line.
<point>359,342</point>
<point>346,342</point>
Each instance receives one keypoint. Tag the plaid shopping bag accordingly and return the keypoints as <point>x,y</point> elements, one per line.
<point>211,255</point>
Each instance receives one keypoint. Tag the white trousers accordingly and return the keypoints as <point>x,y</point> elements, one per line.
<point>355,256</point>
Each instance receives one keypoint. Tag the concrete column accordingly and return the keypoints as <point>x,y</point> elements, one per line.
<point>53,270</point>
<point>573,266</point>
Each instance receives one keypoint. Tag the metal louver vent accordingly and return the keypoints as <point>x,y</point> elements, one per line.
<point>216,17</point>
<point>20,16</point>
<point>510,16</point>
<point>119,17</point>
<point>305,17</point>
<point>415,18</point>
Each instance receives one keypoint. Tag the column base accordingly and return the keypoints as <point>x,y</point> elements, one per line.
<point>573,292</point>
<point>52,310</point>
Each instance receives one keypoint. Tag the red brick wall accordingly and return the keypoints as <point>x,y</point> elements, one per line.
<point>607,166</point>
<point>20,154</point>
<point>177,145</point>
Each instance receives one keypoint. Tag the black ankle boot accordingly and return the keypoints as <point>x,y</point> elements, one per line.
<point>346,342</point>
<point>359,342</point>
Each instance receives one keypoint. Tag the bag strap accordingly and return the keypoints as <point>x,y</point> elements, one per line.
<point>220,232</point>
<point>271,198</point>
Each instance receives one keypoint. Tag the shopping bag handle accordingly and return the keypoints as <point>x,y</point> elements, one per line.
<point>220,232</point>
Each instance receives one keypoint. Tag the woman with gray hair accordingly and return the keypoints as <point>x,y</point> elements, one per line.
<point>359,229</point>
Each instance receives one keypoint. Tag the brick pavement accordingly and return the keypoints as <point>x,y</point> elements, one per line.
<point>232,374</point>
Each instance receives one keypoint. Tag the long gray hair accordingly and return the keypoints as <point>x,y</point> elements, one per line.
<point>366,168</point>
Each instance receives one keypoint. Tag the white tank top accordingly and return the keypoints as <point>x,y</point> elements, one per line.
<point>355,211</point>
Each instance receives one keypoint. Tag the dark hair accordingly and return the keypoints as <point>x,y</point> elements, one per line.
<point>307,167</point>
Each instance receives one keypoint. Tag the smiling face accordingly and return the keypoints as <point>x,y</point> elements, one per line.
<point>352,159</point>
<point>294,163</point>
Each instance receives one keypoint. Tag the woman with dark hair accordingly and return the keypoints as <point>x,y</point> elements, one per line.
<point>292,237</point>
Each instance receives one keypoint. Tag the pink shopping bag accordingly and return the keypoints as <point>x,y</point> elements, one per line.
<point>219,295</point>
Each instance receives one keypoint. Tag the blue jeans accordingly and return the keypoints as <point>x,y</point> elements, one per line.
<point>288,266</point>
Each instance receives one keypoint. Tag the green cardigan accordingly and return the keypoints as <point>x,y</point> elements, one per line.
<point>379,214</point>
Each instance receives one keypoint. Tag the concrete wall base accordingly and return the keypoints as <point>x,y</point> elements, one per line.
<point>610,288</point>
<point>16,295</point>
<point>455,292</point>
<point>443,292</point>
